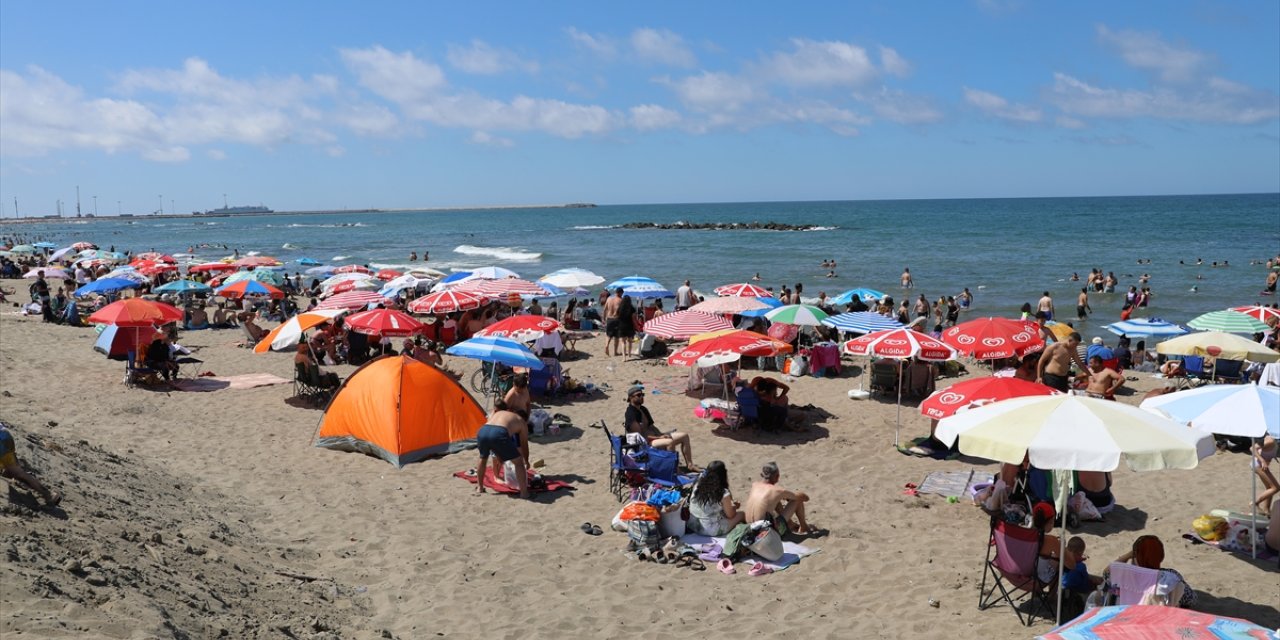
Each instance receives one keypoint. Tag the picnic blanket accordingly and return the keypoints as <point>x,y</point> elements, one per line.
<point>243,381</point>
<point>501,487</point>
<point>792,552</point>
<point>950,484</point>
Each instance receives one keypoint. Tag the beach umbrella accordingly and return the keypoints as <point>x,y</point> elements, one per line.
<point>1218,345</point>
<point>136,312</point>
<point>769,305</point>
<point>994,338</point>
<point>366,284</point>
<point>352,300</point>
<point>265,274</point>
<point>743,289</point>
<point>1228,321</point>
<point>23,248</point>
<point>493,273</point>
<point>60,253</point>
<point>730,305</point>
<point>387,275</point>
<point>320,271</point>
<point>571,278</point>
<point>94,263</point>
<point>45,245</point>
<point>81,246</point>
<point>978,392</point>
<point>154,256</point>
<point>338,278</point>
<point>1139,622</point>
<point>498,350</point>
<point>681,325</point>
<point>151,268</point>
<point>1059,330</point>
<point>105,285</point>
<point>384,323</point>
<point>55,273</point>
<point>801,314</point>
<point>211,267</point>
<point>128,273</point>
<point>1145,328</point>
<point>257,261</point>
<point>183,286</point>
<point>640,287</point>
<point>308,262</point>
<point>1257,312</point>
<point>406,281</point>
<point>866,295</point>
<point>289,333</point>
<point>728,346</point>
<point>861,322</point>
<point>426,272</point>
<point>115,342</point>
<point>244,288</point>
<point>504,287</point>
<point>521,328</point>
<point>448,301</point>
<point>783,331</point>
<point>900,344</point>
<point>454,279</point>
<point>1074,433</point>
<point>354,268</point>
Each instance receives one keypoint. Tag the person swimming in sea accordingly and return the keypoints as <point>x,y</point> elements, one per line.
<point>756,277</point>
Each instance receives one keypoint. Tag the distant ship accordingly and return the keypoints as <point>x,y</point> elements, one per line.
<point>222,211</point>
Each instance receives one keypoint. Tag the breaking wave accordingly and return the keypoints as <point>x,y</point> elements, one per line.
<point>502,253</point>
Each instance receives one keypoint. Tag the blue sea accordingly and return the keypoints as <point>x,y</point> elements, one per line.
<point>1006,251</point>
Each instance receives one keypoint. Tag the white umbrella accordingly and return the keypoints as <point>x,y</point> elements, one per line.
<point>493,273</point>
<point>571,278</point>
<point>1074,433</point>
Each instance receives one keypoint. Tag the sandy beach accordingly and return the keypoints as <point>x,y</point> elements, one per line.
<point>194,515</point>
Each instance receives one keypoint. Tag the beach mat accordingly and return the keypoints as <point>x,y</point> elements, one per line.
<point>949,484</point>
<point>500,487</point>
<point>243,381</point>
<point>1241,550</point>
<point>792,552</point>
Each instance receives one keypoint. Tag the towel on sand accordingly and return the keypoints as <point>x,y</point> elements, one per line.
<point>501,487</point>
<point>948,484</point>
<point>791,551</point>
<point>243,381</point>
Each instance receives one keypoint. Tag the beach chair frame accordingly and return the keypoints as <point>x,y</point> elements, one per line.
<point>1012,553</point>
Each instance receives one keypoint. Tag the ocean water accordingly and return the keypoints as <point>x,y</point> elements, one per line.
<point>1007,251</point>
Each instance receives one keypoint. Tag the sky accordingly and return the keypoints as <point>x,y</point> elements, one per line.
<point>328,105</point>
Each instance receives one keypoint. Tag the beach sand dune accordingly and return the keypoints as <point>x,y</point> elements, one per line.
<point>414,553</point>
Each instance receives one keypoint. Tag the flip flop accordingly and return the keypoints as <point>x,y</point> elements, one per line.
<point>587,527</point>
<point>760,569</point>
<point>596,530</point>
<point>726,567</point>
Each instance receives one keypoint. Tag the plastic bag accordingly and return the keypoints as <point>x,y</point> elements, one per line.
<point>639,511</point>
<point>1210,528</point>
<point>1083,507</point>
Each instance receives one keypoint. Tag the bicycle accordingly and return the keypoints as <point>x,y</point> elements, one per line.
<point>484,383</point>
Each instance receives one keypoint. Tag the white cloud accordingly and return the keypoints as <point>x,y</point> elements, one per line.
<point>600,45</point>
<point>896,106</point>
<point>216,154</point>
<point>488,140</point>
<point>713,91</point>
<point>1239,105</point>
<point>649,117</point>
<point>893,63</point>
<point>1147,51</point>
<point>1067,122</point>
<point>481,58</point>
<point>820,64</point>
<point>335,151</point>
<point>398,77</point>
<point>368,119</point>
<point>42,113</point>
<point>167,154</point>
<point>662,47</point>
<point>994,105</point>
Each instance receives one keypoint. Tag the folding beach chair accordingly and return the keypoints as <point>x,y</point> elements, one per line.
<point>1012,569</point>
<point>656,466</point>
<point>1131,584</point>
<point>135,375</point>
<point>307,386</point>
<point>748,410</point>
<point>1228,371</point>
<point>1193,367</point>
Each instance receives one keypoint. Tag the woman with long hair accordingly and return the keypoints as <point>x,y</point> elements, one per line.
<point>712,509</point>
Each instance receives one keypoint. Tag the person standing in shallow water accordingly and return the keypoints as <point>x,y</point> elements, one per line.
<point>907,281</point>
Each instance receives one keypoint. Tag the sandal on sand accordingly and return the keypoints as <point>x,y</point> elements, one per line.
<point>54,499</point>
<point>726,566</point>
<point>760,569</point>
<point>586,527</point>
<point>671,550</point>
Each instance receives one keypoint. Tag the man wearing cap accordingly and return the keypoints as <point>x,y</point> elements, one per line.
<point>639,420</point>
<point>768,501</point>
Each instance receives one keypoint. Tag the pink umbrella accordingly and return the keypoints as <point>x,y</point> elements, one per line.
<point>448,301</point>
<point>729,304</point>
<point>900,344</point>
<point>53,273</point>
<point>682,325</point>
<point>212,266</point>
<point>743,290</point>
<point>352,300</point>
<point>783,331</point>
<point>257,261</point>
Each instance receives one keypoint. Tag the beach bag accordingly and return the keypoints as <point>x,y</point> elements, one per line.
<point>643,533</point>
<point>639,511</point>
<point>671,524</point>
<point>767,544</point>
<point>539,420</point>
<point>799,366</point>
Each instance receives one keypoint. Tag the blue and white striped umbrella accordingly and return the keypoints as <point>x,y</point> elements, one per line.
<point>500,350</point>
<point>640,287</point>
<point>1145,328</point>
<point>1225,409</point>
<point>867,295</point>
<point>861,322</point>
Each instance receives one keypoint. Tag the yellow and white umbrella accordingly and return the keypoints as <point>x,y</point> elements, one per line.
<point>1219,345</point>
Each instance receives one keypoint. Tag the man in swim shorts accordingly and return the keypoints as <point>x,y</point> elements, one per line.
<point>768,501</point>
<point>611,327</point>
<point>10,468</point>
<point>506,436</point>
<point>1054,368</point>
<point>1103,381</point>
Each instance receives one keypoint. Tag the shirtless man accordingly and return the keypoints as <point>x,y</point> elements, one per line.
<point>1082,304</point>
<point>611,329</point>
<point>1272,278</point>
<point>639,420</point>
<point>506,436</point>
<point>517,397</point>
<point>1054,367</point>
<point>1046,306</point>
<point>1103,382</point>
<point>907,281</point>
<point>768,501</point>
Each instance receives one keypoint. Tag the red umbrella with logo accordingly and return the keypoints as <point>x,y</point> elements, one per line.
<point>387,274</point>
<point>743,290</point>
<point>384,323</point>
<point>727,347</point>
<point>448,301</point>
<point>521,328</point>
<point>900,344</point>
<point>354,268</point>
<point>136,312</point>
<point>994,338</point>
<point>946,402</point>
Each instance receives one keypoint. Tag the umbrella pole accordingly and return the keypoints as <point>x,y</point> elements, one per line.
<point>1253,544</point>
<point>1062,540</point>
<point>898,420</point>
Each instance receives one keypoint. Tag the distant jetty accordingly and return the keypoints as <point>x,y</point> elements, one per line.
<point>725,226</point>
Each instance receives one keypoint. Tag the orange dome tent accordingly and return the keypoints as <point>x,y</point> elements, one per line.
<point>400,410</point>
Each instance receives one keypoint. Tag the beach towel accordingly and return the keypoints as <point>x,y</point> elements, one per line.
<point>792,552</point>
<point>1264,552</point>
<point>667,384</point>
<point>949,484</point>
<point>551,483</point>
<point>243,381</point>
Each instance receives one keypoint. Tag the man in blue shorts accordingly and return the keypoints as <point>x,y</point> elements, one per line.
<point>506,436</point>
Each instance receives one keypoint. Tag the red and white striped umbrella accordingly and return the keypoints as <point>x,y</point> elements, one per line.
<point>993,338</point>
<point>212,266</point>
<point>384,323</point>
<point>682,325</point>
<point>901,344</point>
<point>154,256</point>
<point>729,304</point>
<point>743,290</point>
<point>977,392</point>
<point>521,328</point>
<point>387,274</point>
<point>352,300</point>
<point>94,263</point>
<point>448,301</point>
<point>354,268</point>
<point>352,285</point>
<point>1259,312</point>
<point>501,288</point>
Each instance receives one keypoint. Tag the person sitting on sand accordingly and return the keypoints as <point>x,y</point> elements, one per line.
<point>639,420</point>
<point>248,321</point>
<point>10,468</point>
<point>768,501</point>
<point>222,318</point>
<point>712,509</point>
<point>1103,381</point>
<point>1077,578</point>
<point>1042,519</point>
<point>199,319</point>
<point>1148,552</point>
<point>159,357</point>
<point>505,435</point>
<point>774,403</point>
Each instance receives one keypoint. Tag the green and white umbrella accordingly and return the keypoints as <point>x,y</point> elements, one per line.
<point>1228,321</point>
<point>801,314</point>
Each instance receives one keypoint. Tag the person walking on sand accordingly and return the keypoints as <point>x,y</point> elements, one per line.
<point>10,468</point>
<point>1082,304</point>
<point>1046,306</point>
<point>505,435</point>
<point>768,501</point>
<point>612,323</point>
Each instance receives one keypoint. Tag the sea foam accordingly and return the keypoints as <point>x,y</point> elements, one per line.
<point>502,253</point>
